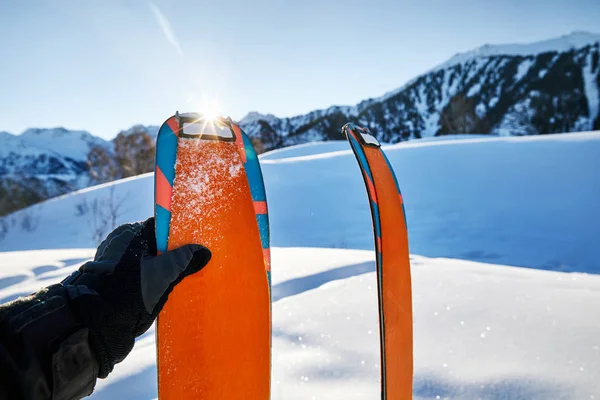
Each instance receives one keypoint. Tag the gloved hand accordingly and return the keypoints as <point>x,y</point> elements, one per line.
<point>119,294</point>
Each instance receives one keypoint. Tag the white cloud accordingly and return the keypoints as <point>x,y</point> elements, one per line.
<point>165,26</point>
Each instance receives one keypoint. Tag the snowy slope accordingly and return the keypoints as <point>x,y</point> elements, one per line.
<point>538,193</point>
<point>307,149</point>
<point>482,329</point>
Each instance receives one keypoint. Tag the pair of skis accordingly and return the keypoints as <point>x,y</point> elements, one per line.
<point>214,333</point>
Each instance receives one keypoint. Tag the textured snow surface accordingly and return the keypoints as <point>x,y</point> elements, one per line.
<point>307,149</point>
<point>482,329</point>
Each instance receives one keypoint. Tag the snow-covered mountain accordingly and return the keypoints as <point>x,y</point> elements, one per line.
<point>545,87</point>
<point>43,163</point>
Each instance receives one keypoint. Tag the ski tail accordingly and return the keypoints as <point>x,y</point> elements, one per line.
<point>209,190</point>
<point>392,263</point>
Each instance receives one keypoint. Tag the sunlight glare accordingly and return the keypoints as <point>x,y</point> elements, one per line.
<point>210,110</point>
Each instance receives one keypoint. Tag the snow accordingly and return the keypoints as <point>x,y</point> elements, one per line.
<point>493,101</point>
<point>56,142</point>
<point>198,194</point>
<point>524,68</point>
<point>6,135</point>
<point>473,90</point>
<point>254,116</point>
<point>17,146</point>
<point>592,91</point>
<point>306,149</point>
<point>474,206</point>
<point>67,143</point>
<point>481,330</point>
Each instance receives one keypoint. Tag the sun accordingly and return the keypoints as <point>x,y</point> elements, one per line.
<point>210,110</point>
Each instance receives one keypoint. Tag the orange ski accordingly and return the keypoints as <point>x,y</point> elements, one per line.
<point>393,264</point>
<point>214,333</point>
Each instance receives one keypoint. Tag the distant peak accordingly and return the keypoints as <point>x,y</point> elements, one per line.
<point>55,132</point>
<point>254,116</point>
<point>151,130</point>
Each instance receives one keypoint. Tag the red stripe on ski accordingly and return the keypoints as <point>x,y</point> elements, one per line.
<point>164,190</point>
<point>371,189</point>
<point>173,125</point>
<point>267,257</point>
<point>239,141</point>
<point>260,207</point>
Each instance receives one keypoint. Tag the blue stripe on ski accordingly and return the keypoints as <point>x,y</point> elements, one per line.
<point>166,157</point>
<point>263,228</point>
<point>253,172</point>
<point>362,159</point>
<point>376,222</point>
<point>163,222</point>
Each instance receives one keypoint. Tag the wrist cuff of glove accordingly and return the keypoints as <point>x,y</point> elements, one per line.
<point>91,310</point>
<point>43,335</point>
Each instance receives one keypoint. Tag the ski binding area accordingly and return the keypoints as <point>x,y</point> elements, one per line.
<point>504,260</point>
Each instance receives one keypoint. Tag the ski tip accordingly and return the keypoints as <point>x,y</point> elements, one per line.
<point>362,134</point>
<point>198,116</point>
<point>193,125</point>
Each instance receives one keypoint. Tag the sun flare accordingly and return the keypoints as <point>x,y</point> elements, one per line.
<point>210,110</point>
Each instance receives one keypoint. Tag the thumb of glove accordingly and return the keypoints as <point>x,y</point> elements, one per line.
<point>160,274</point>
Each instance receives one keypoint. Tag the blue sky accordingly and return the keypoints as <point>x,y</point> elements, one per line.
<point>104,66</point>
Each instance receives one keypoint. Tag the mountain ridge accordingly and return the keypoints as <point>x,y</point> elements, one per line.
<point>541,87</point>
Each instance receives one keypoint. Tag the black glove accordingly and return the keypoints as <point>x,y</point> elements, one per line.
<point>119,294</point>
